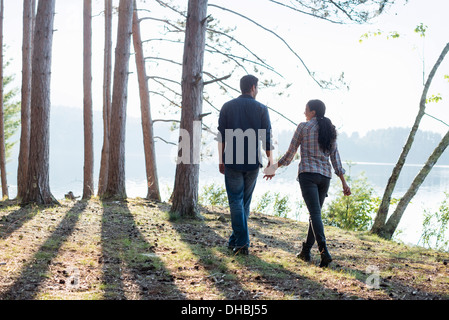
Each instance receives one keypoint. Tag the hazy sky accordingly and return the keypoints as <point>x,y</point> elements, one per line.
<point>384,75</point>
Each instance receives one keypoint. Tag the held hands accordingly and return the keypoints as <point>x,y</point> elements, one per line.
<point>270,171</point>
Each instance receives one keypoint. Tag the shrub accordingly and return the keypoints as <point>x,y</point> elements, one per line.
<point>273,204</point>
<point>355,212</point>
<point>214,195</point>
<point>435,226</point>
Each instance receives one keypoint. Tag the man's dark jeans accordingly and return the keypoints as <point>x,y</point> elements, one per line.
<point>240,186</point>
<point>314,188</point>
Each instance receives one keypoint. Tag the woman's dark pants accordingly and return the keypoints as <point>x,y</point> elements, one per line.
<point>314,188</point>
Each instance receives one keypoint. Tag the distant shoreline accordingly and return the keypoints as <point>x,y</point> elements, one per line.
<point>392,164</point>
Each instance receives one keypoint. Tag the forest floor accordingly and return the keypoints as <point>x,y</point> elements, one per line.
<point>94,250</point>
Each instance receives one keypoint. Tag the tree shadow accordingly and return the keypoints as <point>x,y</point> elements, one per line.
<point>204,242</point>
<point>34,272</point>
<point>131,268</point>
<point>398,281</point>
<point>365,273</point>
<point>15,220</point>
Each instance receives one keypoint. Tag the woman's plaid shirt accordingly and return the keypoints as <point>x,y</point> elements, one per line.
<point>313,159</point>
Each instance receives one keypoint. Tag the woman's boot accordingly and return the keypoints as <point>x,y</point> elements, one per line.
<point>305,252</point>
<point>325,256</point>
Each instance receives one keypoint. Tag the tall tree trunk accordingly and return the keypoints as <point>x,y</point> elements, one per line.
<point>38,189</point>
<point>393,222</point>
<point>2,123</point>
<point>116,187</point>
<point>147,123</point>
<point>24,150</point>
<point>185,191</point>
<point>381,216</point>
<point>103,179</point>
<point>88,187</point>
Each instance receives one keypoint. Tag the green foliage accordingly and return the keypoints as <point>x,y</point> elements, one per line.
<point>354,212</point>
<point>421,30</point>
<point>264,202</point>
<point>280,205</point>
<point>11,112</point>
<point>393,34</point>
<point>390,35</point>
<point>434,98</point>
<point>214,195</point>
<point>435,227</point>
<point>368,35</point>
<point>272,203</point>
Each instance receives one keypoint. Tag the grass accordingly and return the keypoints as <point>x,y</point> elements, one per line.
<point>94,250</point>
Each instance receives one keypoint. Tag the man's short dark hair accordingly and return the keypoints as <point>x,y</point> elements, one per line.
<point>247,82</point>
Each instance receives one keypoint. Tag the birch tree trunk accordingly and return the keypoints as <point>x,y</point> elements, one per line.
<point>381,216</point>
<point>88,185</point>
<point>393,222</point>
<point>116,188</point>
<point>38,189</point>
<point>24,149</point>
<point>2,126</point>
<point>103,179</point>
<point>185,191</point>
<point>147,123</point>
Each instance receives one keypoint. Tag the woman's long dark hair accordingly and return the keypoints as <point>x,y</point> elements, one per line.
<point>327,133</point>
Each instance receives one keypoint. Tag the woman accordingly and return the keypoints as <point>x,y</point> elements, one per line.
<point>318,140</point>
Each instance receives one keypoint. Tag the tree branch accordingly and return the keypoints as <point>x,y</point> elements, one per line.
<point>224,84</point>
<point>164,21</point>
<point>217,79</point>
<point>162,78</point>
<point>167,87</point>
<point>227,56</point>
<point>166,120</point>
<point>236,41</point>
<point>304,12</point>
<point>161,39</point>
<point>167,142</point>
<point>171,101</point>
<point>234,58</point>
<point>276,35</point>
<point>165,5</point>
<point>382,212</point>
<point>163,59</point>
<point>205,127</point>
<point>342,10</point>
<point>446,124</point>
<point>209,103</point>
<point>282,116</point>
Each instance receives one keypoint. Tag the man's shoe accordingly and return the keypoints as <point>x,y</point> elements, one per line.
<point>241,251</point>
<point>305,253</point>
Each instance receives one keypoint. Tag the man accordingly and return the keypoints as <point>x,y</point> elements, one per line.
<point>243,122</point>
